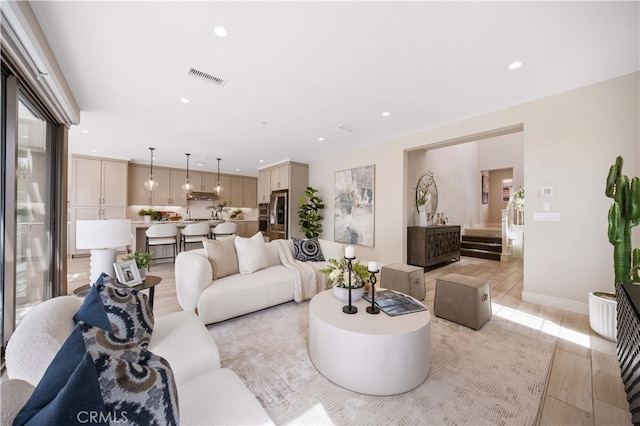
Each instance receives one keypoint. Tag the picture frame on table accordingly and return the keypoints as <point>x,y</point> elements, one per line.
<point>127,273</point>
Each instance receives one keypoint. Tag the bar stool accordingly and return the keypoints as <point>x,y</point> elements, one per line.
<point>224,230</point>
<point>162,235</point>
<point>193,234</point>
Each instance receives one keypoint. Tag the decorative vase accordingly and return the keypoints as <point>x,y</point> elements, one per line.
<point>147,218</point>
<point>602,316</point>
<point>143,273</point>
<point>422,212</point>
<point>342,294</point>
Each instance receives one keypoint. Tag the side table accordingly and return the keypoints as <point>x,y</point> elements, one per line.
<point>150,282</point>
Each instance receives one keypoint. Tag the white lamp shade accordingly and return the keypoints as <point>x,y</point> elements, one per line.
<point>102,237</point>
<point>98,234</point>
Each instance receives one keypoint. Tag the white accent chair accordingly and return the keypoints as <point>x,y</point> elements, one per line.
<point>193,233</point>
<point>224,230</point>
<point>162,235</point>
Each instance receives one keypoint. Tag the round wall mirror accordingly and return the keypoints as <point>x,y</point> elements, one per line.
<point>427,195</point>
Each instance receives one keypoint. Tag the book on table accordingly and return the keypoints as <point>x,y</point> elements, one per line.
<point>394,304</point>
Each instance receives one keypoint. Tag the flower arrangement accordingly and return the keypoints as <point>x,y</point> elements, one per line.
<point>518,199</point>
<point>143,260</point>
<point>338,272</point>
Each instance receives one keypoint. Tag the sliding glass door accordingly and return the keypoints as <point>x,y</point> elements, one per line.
<point>33,209</point>
<point>31,200</point>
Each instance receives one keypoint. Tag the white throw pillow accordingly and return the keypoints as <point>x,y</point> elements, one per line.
<point>252,254</point>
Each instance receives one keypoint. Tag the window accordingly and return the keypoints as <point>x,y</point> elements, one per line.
<point>30,200</point>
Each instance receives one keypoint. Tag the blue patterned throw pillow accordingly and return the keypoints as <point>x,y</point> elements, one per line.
<point>308,250</point>
<point>98,379</point>
<point>118,309</point>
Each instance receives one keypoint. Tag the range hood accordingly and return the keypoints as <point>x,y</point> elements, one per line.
<point>198,195</point>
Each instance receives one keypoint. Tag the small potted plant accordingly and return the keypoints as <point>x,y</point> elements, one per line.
<point>147,214</point>
<point>338,271</point>
<point>143,261</point>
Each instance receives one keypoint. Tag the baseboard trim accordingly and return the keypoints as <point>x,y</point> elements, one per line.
<point>556,302</point>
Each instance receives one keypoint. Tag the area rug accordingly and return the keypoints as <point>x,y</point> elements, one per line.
<point>493,376</point>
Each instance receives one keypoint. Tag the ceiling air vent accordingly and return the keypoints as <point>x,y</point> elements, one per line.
<point>207,77</point>
<point>347,128</point>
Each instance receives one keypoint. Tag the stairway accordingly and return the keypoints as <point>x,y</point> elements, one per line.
<point>484,243</point>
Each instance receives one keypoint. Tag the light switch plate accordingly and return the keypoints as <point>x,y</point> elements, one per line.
<point>546,206</point>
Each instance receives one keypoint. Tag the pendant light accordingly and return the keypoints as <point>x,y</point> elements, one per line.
<point>219,188</point>
<point>150,183</point>
<point>187,185</point>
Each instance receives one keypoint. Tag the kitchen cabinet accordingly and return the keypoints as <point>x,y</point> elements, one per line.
<point>246,228</point>
<point>252,228</point>
<point>249,192</point>
<point>431,245</point>
<point>279,177</point>
<point>98,190</point>
<point>264,186</point>
<point>235,191</point>
<point>208,182</point>
<point>138,194</point>
<point>242,191</point>
<point>98,182</point>
<point>242,229</point>
<point>203,182</point>
<point>169,190</point>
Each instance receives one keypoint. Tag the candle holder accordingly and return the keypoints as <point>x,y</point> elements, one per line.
<point>349,309</point>
<point>373,309</point>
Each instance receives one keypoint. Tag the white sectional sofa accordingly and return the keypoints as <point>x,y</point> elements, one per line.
<point>207,393</point>
<point>283,280</point>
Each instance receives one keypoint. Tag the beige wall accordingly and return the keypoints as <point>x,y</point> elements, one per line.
<point>570,140</point>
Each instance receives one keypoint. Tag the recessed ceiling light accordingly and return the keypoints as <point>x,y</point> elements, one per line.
<point>515,65</point>
<point>220,32</point>
<point>262,161</point>
<point>321,139</point>
<point>184,100</point>
<point>237,170</point>
<point>199,164</point>
<point>94,150</point>
<point>84,131</point>
<point>386,114</point>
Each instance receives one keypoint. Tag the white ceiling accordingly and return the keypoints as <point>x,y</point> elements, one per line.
<point>297,71</point>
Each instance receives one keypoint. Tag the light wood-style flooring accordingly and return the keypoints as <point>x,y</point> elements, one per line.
<point>584,385</point>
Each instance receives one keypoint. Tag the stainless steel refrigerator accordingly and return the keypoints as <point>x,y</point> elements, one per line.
<point>278,215</point>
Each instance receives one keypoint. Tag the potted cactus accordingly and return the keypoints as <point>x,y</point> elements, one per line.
<point>624,214</point>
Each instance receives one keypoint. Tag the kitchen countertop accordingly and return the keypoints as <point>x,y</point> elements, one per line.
<point>143,224</point>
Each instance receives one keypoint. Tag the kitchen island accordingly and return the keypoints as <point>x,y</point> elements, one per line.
<point>246,228</point>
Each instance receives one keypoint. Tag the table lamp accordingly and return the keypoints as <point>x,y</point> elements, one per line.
<point>102,237</point>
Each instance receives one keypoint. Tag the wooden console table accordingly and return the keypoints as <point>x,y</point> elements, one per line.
<point>628,330</point>
<point>431,245</point>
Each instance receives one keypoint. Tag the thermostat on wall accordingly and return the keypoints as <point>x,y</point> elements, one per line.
<point>546,191</point>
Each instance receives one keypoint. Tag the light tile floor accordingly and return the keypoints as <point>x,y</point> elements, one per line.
<point>584,385</point>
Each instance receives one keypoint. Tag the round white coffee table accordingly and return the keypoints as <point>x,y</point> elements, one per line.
<point>370,354</point>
